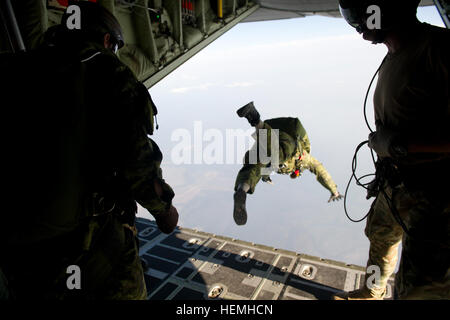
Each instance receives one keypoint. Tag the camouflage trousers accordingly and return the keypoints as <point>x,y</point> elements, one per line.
<point>424,271</point>
<point>106,252</point>
<point>126,280</point>
<point>113,269</point>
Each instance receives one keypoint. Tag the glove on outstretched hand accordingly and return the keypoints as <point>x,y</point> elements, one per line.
<point>335,197</point>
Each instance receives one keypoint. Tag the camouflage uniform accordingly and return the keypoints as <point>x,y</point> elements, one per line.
<point>412,98</point>
<point>112,116</point>
<point>294,154</point>
<point>424,269</point>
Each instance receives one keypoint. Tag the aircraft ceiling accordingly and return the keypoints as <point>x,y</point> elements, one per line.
<point>286,9</point>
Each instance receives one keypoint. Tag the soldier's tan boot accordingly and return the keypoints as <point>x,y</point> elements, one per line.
<point>360,294</point>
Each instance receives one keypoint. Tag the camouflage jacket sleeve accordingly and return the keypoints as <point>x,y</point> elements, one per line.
<point>141,155</point>
<point>313,165</point>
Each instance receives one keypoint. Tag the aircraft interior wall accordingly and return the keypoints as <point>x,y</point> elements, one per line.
<point>156,32</point>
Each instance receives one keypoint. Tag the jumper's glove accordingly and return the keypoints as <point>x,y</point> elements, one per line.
<point>387,143</point>
<point>168,220</point>
<point>267,179</point>
<point>335,197</point>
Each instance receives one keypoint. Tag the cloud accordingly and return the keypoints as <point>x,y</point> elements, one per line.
<point>203,86</point>
<point>189,77</point>
<point>240,84</point>
<point>206,86</point>
<point>284,45</point>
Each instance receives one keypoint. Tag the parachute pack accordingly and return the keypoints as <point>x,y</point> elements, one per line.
<point>43,143</point>
<point>294,128</point>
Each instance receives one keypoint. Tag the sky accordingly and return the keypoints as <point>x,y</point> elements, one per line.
<point>317,69</point>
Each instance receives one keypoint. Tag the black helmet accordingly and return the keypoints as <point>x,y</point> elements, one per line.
<point>393,12</point>
<point>96,19</point>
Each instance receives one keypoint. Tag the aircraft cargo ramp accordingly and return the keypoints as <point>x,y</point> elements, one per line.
<point>195,265</point>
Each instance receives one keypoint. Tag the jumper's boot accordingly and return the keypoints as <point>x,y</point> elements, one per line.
<point>360,294</point>
<point>249,111</point>
<point>240,212</point>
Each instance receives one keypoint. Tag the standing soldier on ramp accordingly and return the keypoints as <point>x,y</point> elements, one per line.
<point>79,158</point>
<point>412,141</point>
